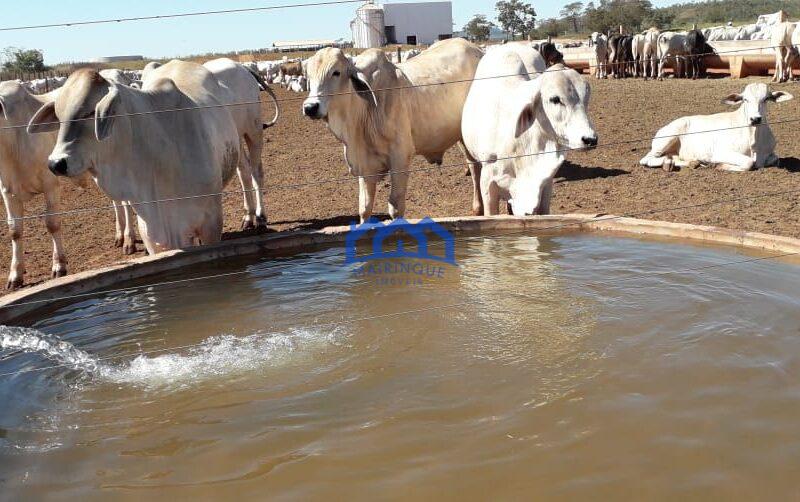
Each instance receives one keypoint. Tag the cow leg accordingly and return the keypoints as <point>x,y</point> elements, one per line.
<point>255,147</point>
<point>53,224</point>
<point>547,195</point>
<point>778,64</point>
<point>15,211</point>
<point>246,180</point>
<point>129,245</point>
<point>119,219</point>
<point>397,193</point>
<point>475,171</point>
<point>665,143</point>
<point>732,161</point>
<point>491,197</point>
<point>366,196</point>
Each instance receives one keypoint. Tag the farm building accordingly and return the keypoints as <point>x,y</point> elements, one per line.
<point>402,23</point>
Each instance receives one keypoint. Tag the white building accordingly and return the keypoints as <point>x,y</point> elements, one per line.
<point>402,23</point>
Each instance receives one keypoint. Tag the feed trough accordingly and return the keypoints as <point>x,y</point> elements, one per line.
<point>550,356</point>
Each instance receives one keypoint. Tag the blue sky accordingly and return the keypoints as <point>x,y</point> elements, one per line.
<point>177,37</point>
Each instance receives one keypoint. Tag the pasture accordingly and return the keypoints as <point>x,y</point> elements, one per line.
<point>299,151</point>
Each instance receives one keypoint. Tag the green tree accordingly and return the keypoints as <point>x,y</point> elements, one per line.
<point>23,60</point>
<point>478,28</point>
<point>571,12</point>
<point>516,17</point>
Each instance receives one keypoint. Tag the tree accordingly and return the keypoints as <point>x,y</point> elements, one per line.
<point>23,60</point>
<point>478,28</point>
<point>516,17</point>
<point>571,12</point>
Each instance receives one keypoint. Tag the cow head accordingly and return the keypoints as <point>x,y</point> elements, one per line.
<point>754,99</point>
<point>559,102</point>
<point>83,114</point>
<point>332,75</point>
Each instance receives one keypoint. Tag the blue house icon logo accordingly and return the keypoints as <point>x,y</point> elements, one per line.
<point>407,234</point>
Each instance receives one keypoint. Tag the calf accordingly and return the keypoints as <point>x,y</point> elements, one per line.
<point>514,126</point>
<point>734,141</point>
<point>599,44</point>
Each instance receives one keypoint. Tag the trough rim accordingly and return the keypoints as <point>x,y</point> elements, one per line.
<point>96,280</point>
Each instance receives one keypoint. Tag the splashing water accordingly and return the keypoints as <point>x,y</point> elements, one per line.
<point>218,356</point>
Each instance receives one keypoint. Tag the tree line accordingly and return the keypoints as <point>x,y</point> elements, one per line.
<point>518,18</point>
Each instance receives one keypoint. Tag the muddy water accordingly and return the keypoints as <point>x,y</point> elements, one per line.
<point>562,366</point>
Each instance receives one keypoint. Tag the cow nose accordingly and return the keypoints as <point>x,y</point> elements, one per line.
<point>58,167</point>
<point>589,140</point>
<point>311,109</point>
<point>755,120</point>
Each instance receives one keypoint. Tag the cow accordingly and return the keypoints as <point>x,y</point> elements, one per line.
<point>696,50</point>
<point>514,127</point>
<point>144,146</point>
<point>385,114</point>
<point>241,87</point>
<point>551,55</point>
<point>24,174</point>
<point>613,53</point>
<point>637,55</point>
<point>650,53</point>
<point>671,44</point>
<point>733,141</point>
<point>624,57</point>
<point>781,42</point>
<point>599,44</point>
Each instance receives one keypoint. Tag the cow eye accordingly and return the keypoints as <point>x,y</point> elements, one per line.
<point>336,73</point>
<point>555,100</point>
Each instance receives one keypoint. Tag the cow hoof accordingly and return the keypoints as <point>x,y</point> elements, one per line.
<point>694,164</point>
<point>118,242</point>
<point>261,221</point>
<point>61,272</point>
<point>669,165</point>
<point>248,224</point>
<point>129,249</point>
<point>13,284</point>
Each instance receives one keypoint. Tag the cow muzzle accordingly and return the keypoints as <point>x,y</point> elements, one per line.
<point>756,120</point>
<point>311,110</point>
<point>58,166</point>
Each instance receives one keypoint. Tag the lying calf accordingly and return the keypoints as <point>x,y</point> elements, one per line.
<point>734,141</point>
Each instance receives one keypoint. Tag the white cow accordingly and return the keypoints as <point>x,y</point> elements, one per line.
<point>386,114</point>
<point>637,49</point>
<point>735,141</point>
<point>241,89</point>
<point>772,19</point>
<point>600,48</point>
<point>650,53</point>
<point>140,156</point>
<point>781,43</point>
<point>513,128</point>
<point>24,173</point>
<point>672,45</point>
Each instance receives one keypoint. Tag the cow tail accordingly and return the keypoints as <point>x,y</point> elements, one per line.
<point>262,84</point>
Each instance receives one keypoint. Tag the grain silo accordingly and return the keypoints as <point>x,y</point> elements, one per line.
<point>368,27</point>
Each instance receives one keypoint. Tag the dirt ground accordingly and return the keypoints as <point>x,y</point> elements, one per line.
<point>605,180</point>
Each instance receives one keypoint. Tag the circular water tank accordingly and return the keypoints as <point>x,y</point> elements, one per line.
<point>368,27</point>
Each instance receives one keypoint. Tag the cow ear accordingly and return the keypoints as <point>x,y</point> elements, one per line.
<point>527,107</point>
<point>780,96</point>
<point>105,114</point>
<point>362,87</point>
<point>44,120</point>
<point>733,99</point>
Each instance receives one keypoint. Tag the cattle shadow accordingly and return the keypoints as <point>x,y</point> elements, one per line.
<point>790,164</point>
<point>335,221</point>
<point>575,172</point>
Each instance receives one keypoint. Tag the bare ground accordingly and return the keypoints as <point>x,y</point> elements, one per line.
<point>605,180</point>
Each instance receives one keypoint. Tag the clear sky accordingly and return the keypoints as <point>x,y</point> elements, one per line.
<point>177,37</point>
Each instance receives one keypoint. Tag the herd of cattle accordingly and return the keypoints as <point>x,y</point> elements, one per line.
<point>163,144</point>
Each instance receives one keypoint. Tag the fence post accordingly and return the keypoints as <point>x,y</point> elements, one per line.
<point>398,54</point>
